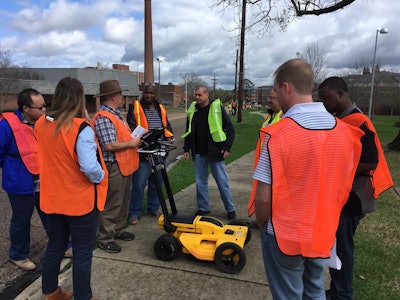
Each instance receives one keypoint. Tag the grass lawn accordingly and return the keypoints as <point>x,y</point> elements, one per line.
<point>377,241</point>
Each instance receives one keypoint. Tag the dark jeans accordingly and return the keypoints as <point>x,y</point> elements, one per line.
<point>20,225</point>
<point>82,230</point>
<point>342,280</point>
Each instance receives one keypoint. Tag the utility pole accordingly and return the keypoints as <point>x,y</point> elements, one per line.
<point>241,64</point>
<point>214,80</point>
<point>236,74</point>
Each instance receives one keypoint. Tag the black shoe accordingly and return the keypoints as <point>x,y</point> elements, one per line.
<point>231,215</point>
<point>110,247</point>
<point>201,213</point>
<point>125,236</point>
<point>154,214</point>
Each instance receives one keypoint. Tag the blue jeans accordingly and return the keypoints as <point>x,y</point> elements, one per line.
<point>82,230</point>
<point>20,225</point>
<point>291,277</point>
<point>218,171</point>
<point>342,280</point>
<point>140,179</point>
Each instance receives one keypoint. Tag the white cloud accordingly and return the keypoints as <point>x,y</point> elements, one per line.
<point>190,37</point>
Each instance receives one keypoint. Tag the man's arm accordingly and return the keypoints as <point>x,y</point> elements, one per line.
<point>263,203</point>
<point>229,130</point>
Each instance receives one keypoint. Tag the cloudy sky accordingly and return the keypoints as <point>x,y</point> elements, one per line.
<point>191,37</point>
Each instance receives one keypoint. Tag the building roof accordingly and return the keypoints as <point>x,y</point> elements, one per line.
<point>90,78</point>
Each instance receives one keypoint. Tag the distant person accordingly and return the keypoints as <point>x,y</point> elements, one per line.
<point>73,188</point>
<point>230,108</point>
<point>305,171</point>
<point>19,160</point>
<point>234,108</point>
<point>149,114</point>
<point>121,157</point>
<point>372,178</point>
<point>209,136</point>
<point>274,115</point>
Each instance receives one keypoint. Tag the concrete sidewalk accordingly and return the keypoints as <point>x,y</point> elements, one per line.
<point>135,272</point>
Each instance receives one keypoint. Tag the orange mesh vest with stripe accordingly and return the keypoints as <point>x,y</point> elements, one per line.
<point>251,208</point>
<point>141,119</point>
<point>312,174</point>
<point>26,142</point>
<point>64,189</point>
<point>381,178</point>
<point>127,159</point>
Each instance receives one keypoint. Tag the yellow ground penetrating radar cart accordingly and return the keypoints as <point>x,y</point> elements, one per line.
<point>204,237</point>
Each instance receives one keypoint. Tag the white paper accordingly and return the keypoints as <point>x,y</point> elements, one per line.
<point>138,132</point>
<point>334,261</point>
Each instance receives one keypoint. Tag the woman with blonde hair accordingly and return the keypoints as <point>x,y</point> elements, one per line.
<point>73,188</point>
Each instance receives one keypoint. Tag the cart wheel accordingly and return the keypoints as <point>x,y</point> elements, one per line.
<point>230,258</point>
<point>243,223</point>
<point>166,247</point>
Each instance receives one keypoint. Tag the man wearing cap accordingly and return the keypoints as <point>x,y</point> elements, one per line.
<point>121,158</point>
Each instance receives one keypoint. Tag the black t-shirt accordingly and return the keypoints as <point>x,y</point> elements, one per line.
<point>201,130</point>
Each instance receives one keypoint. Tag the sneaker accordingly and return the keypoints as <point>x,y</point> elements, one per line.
<point>125,236</point>
<point>231,215</point>
<point>110,247</point>
<point>133,220</point>
<point>201,212</point>
<point>24,264</point>
<point>154,214</point>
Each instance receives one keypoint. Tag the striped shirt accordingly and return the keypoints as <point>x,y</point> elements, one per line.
<point>312,116</point>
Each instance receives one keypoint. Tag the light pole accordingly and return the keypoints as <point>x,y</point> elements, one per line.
<point>186,93</point>
<point>371,96</point>
<point>159,80</point>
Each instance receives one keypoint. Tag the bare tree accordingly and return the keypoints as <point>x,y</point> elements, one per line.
<point>270,13</point>
<point>317,58</point>
<point>8,76</point>
<point>11,75</point>
<point>192,81</point>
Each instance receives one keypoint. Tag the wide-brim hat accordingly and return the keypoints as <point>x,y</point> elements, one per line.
<point>109,87</point>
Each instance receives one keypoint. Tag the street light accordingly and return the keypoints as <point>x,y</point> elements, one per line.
<point>159,80</point>
<point>186,92</point>
<point>370,110</point>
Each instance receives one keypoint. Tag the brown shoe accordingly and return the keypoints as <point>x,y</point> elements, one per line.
<point>24,264</point>
<point>59,294</point>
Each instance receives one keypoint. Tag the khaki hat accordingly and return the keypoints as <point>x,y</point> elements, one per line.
<point>109,87</point>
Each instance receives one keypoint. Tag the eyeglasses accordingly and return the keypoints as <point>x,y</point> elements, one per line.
<point>37,107</point>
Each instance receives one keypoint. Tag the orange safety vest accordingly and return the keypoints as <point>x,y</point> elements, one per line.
<point>381,178</point>
<point>141,119</point>
<point>64,189</point>
<point>26,142</point>
<point>312,175</point>
<point>251,209</point>
<point>127,159</point>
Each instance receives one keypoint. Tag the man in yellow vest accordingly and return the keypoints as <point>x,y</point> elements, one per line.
<point>149,114</point>
<point>372,178</point>
<point>121,158</point>
<point>304,173</point>
<point>19,161</point>
<point>209,136</point>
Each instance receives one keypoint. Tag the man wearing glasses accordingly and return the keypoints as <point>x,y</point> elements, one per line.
<point>20,171</point>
